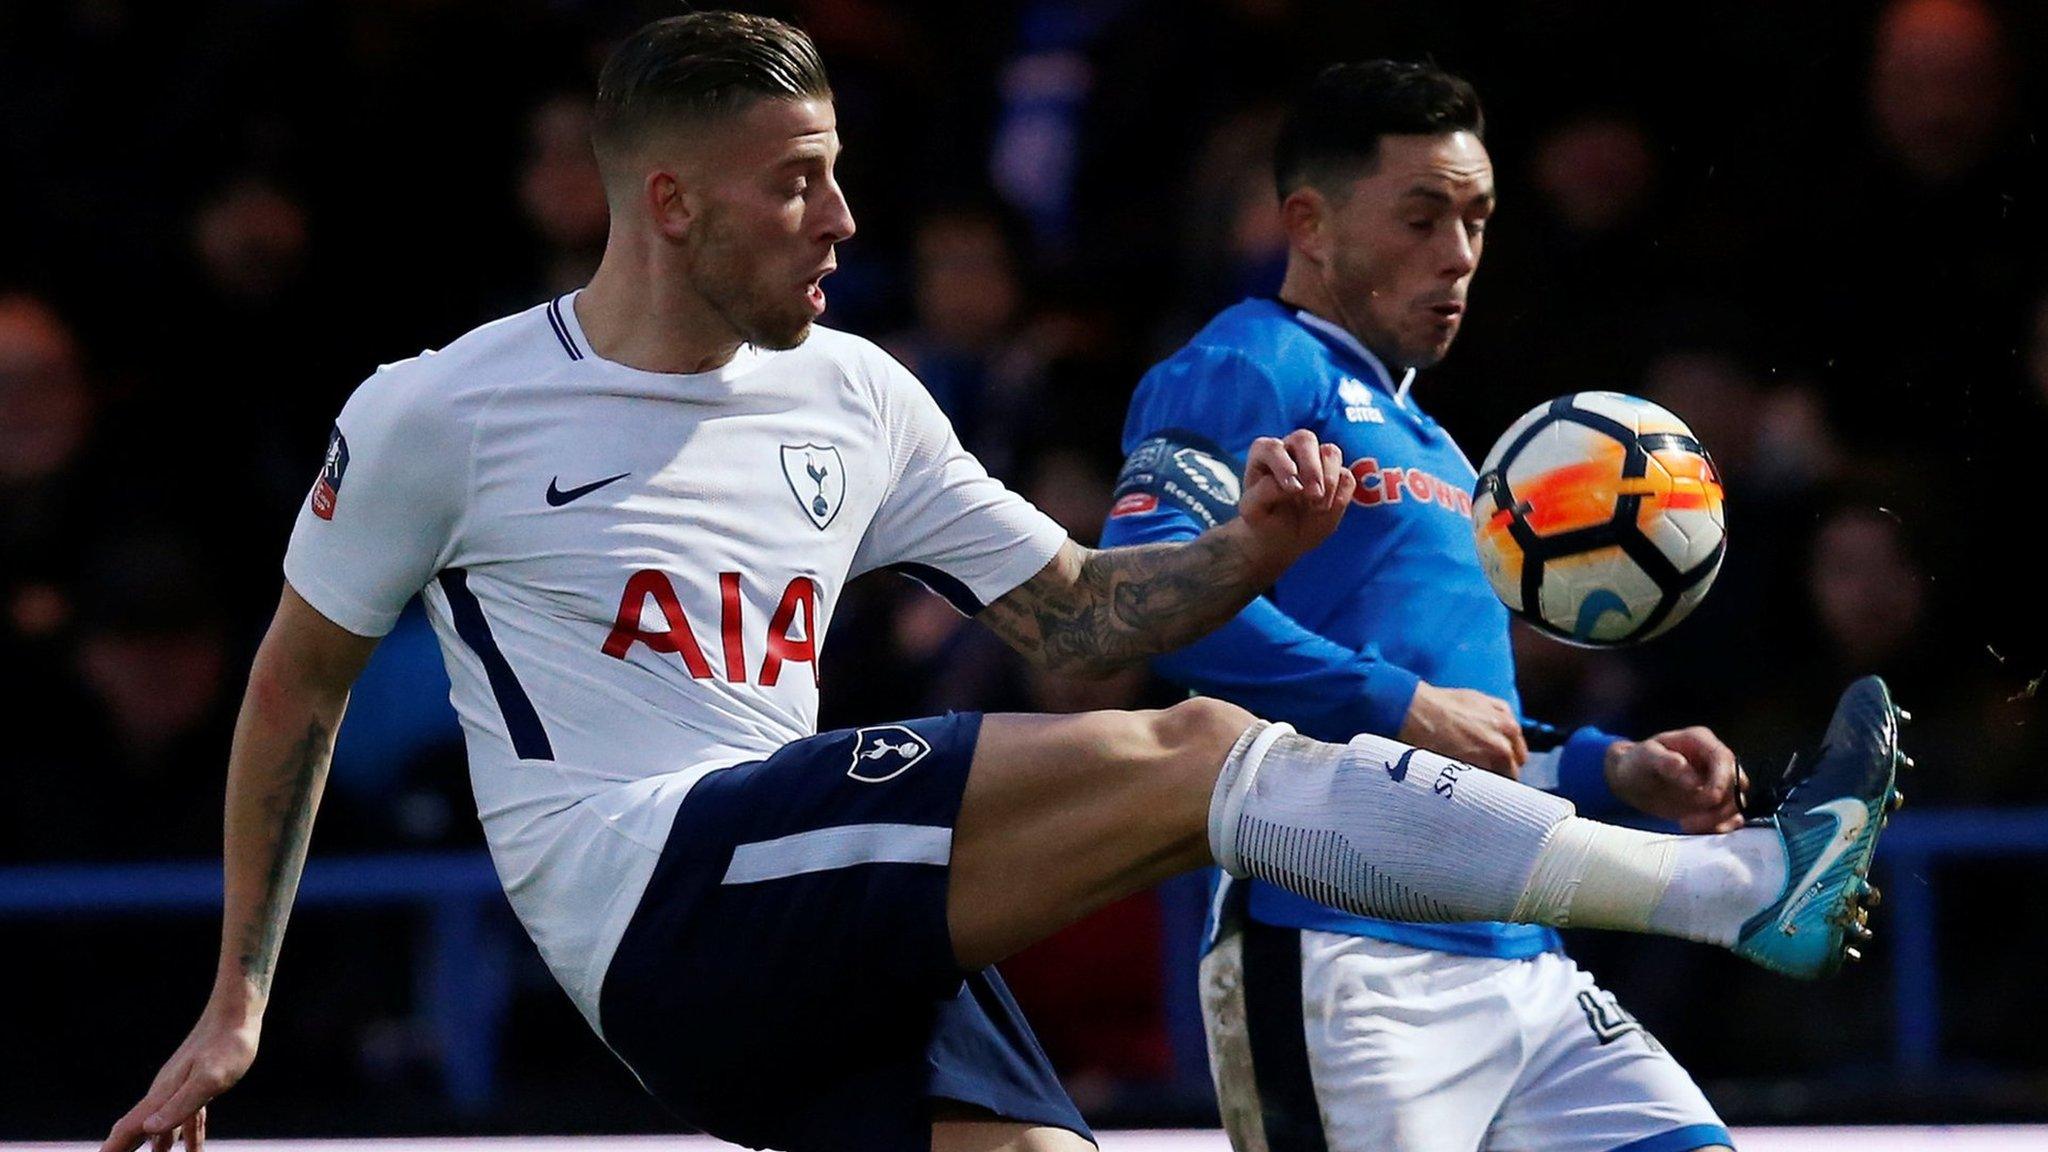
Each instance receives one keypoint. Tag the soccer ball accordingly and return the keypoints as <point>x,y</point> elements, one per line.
<point>1599,519</point>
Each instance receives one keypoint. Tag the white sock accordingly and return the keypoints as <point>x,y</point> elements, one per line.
<point>1719,882</point>
<point>1378,828</point>
<point>1593,875</point>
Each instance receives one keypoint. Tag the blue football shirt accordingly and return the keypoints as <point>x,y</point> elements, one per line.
<point>1395,597</point>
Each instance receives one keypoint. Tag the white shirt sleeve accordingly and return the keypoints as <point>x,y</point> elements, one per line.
<point>944,520</point>
<point>380,520</point>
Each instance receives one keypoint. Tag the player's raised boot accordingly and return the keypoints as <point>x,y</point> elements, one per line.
<point>1829,818</point>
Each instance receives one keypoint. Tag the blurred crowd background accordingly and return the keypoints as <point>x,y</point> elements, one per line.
<point>1814,231</point>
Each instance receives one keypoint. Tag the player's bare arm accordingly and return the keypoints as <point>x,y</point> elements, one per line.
<point>1092,611</point>
<point>298,688</point>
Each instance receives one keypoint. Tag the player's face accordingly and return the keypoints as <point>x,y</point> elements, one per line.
<point>1404,244</point>
<point>769,214</point>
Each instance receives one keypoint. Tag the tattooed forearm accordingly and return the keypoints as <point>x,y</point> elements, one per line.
<point>1090,613</point>
<point>288,809</point>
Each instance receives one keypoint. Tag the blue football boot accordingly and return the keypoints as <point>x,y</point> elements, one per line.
<point>1833,808</point>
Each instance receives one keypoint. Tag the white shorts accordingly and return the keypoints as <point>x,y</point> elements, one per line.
<point>1321,1041</point>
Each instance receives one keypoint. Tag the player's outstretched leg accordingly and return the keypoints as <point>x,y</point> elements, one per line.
<point>1802,874</point>
<point>960,1130</point>
<point>1065,814</point>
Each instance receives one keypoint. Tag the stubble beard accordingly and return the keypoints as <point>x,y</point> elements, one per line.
<point>758,323</point>
<point>723,279</point>
<point>1353,294</point>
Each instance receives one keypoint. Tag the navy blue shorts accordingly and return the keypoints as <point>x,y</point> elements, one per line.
<point>789,981</point>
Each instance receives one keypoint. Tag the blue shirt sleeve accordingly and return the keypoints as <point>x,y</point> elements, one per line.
<point>1582,773</point>
<point>1191,422</point>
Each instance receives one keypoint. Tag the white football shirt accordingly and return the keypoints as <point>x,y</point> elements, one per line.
<point>631,574</point>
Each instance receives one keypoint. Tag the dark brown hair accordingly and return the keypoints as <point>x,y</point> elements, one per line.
<point>701,66</point>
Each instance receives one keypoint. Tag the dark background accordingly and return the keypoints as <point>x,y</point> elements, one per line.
<point>1812,230</point>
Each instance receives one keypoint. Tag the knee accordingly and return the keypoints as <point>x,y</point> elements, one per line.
<point>992,1135</point>
<point>1200,728</point>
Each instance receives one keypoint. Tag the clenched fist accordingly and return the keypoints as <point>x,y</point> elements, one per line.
<point>1295,493</point>
<point>1466,725</point>
<point>1686,775</point>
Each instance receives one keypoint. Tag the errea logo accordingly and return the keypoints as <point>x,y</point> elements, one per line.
<point>1358,405</point>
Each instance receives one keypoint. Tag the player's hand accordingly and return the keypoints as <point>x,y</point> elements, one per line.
<point>1466,725</point>
<point>1294,495</point>
<point>1687,775</point>
<point>213,1057</point>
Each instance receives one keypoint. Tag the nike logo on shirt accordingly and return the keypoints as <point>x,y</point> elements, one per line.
<point>558,497</point>
<point>1850,817</point>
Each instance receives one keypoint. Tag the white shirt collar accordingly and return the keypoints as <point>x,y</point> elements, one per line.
<point>1381,376</point>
